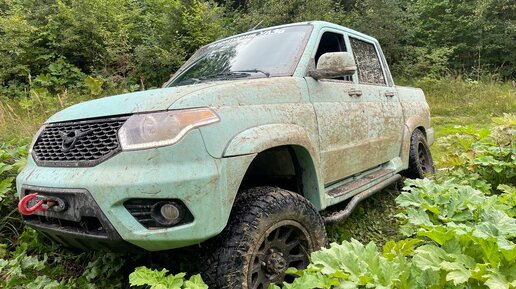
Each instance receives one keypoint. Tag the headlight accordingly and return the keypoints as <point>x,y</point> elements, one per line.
<point>142,131</point>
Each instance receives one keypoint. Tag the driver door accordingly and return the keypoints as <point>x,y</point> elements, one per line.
<point>343,117</point>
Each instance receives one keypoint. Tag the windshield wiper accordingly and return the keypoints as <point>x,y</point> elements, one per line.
<point>223,75</point>
<point>255,71</point>
<point>229,74</point>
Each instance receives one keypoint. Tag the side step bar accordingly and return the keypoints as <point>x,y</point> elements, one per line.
<point>362,181</point>
<point>341,215</point>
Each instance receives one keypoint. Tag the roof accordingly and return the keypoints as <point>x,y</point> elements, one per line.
<point>317,25</point>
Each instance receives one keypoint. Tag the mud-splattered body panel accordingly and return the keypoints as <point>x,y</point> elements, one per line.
<point>332,129</point>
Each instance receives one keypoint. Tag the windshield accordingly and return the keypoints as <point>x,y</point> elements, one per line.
<point>273,52</point>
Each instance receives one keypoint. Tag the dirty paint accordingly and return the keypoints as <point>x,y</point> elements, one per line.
<point>340,131</point>
<point>173,172</point>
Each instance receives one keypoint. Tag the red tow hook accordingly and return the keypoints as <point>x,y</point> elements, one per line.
<point>22,205</point>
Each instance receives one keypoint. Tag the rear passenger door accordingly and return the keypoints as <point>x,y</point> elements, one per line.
<point>384,111</point>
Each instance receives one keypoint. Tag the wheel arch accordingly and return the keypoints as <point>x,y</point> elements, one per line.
<point>279,140</point>
<point>411,124</point>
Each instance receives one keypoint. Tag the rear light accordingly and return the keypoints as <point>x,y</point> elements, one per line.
<point>158,213</point>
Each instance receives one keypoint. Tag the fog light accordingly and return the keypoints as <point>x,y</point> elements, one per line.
<point>159,213</point>
<point>167,213</point>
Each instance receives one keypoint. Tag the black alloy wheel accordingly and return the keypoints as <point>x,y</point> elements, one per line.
<point>281,247</point>
<point>269,231</point>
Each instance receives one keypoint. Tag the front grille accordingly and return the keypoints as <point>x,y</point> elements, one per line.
<point>81,143</point>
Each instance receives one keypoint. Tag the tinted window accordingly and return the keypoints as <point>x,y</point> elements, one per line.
<point>331,42</point>
<point>274,52</point>
<point>368,63</point>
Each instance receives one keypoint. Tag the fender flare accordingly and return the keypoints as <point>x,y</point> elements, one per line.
<point>411,124</point>
<point>260,138</point>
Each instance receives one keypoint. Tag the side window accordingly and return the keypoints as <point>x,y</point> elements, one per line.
<point>331,42</point>
<point>368,63</point>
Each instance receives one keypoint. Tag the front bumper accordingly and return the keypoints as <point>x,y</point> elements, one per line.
<point>184,171</point>
<point>83,225</point>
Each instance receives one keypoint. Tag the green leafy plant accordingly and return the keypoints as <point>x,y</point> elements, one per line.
<point>465,239</point>
<point>482,158</point>
<point>157,279</point>
<point>38,263</point>
<point>12,159</point>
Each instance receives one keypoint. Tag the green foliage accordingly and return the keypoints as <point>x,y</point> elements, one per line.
<point>352,264</point>
<point>374,219</point>
<point>459,236</point>
<point>474,31</point>
<point>467,241</point>
<point>156,279</point>
<point>481,158</point>
<point>60,41</point>
<point>271,12</point>
<point>94,85</point>
<point>54,44</point>
<point>12,160</point>
<point>38,263</point>
<point>470,239</point>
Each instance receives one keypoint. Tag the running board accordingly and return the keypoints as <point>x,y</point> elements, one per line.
<point>338,216</point>
<point>362,181</point>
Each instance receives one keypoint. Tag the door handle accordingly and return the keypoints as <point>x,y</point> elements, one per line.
<point>355,92</point>
<point>390,94</point>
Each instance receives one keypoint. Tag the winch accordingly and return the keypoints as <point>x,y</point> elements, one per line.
<point>43,203</point>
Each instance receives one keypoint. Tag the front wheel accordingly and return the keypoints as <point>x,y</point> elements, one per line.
<point>270,230</point>
<point>421,164</point>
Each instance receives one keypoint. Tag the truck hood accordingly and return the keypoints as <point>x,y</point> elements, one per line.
<point>142,101</point>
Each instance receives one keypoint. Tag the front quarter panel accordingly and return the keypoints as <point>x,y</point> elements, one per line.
<point>259,114</point>
<point>246,104</point>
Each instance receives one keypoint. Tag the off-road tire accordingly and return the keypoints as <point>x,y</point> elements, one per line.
<point>421,164</point>
<point>264,224</point>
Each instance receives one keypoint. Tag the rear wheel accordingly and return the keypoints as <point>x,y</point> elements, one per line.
<point>421,164</point>
<point>270,230</point>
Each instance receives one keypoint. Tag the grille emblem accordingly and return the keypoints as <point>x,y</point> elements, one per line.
<point>71,137</point>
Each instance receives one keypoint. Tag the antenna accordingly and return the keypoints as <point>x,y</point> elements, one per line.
<point>256,26</point>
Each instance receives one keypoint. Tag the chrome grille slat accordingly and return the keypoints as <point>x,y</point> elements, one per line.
<point>99,144</point>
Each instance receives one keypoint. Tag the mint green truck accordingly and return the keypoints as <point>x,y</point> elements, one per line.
<point>254,144</point>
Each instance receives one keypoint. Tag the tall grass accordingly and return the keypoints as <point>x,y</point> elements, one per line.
<point>20,118</point>
<point>466,102</point>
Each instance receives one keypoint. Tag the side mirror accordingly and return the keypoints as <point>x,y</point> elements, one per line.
<point>334,64</point>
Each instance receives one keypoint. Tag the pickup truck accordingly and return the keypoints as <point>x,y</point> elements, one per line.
<point>246,150</point>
